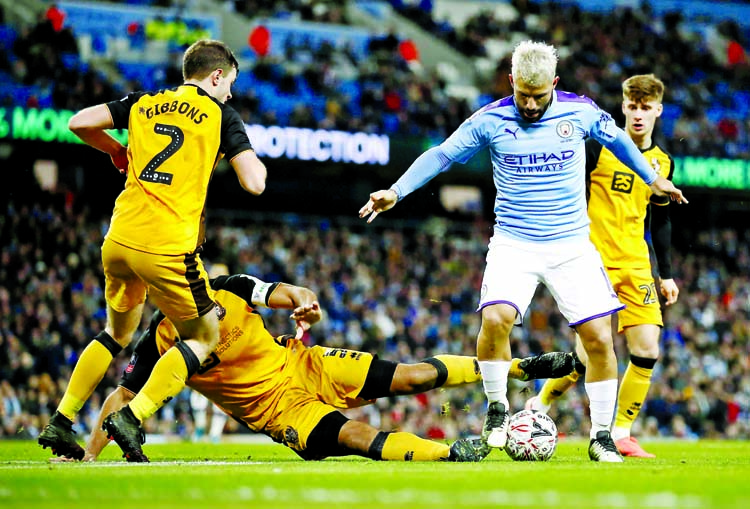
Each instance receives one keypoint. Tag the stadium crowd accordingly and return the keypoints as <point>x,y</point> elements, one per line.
<point>707,102</point>
<point>705,69</point>
<point>405,292</point>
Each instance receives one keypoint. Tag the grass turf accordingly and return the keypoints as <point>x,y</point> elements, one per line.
<point>704,474</point>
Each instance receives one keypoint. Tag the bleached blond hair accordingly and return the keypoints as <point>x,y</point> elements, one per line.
<point>534,63</point>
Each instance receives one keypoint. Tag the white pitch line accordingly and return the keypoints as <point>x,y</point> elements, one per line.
<point>25,464</point>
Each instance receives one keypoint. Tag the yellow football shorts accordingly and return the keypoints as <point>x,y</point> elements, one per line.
<point>177,285</point>
<point>323,380</point>
<point>637,290</point>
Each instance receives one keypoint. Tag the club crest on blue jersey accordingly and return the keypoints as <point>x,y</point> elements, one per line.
<point>564,129</point>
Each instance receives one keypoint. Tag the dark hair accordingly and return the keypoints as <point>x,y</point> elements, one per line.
<point>204,57</point>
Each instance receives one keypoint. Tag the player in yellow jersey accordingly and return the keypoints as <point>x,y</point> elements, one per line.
<point>175,139</point>
<point>290,392</point>
<point>618,207</point>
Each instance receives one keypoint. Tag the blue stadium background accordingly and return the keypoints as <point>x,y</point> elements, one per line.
<point>379,81</point>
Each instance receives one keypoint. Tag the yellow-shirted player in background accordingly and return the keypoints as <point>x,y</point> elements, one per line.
<point>291,392</point>
<point>618,207</point>
<point>175,139</point>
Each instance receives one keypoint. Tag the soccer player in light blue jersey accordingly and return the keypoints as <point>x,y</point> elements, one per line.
<point>536,140</point>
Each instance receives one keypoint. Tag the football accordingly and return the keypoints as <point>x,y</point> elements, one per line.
<point>532,436</point>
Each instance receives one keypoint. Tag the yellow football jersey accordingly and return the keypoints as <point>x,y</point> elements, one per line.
<point>618,202</point>
<point>247,367</point>
<point>175,139</point>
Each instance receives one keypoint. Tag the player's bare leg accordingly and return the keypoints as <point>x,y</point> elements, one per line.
<point>601,386</point>
<point>494,356</point>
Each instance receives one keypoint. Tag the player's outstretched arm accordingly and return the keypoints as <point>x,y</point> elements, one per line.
<point>379,201</point>
<point>98,439</point>
<point>626,151</point>
<point>664,187</point>
<point>421,171</point>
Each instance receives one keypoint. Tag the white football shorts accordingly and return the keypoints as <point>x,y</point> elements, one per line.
<point>572,271</point>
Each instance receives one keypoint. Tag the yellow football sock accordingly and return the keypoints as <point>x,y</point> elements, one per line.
<point>461,370</point>
<point>166,380</point>
<point>89,371</point>
<point>556,387</point>
<point>633,389</point>
<point>402,446</point>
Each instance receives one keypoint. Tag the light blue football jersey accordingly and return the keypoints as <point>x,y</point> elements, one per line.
<point>539,168</point>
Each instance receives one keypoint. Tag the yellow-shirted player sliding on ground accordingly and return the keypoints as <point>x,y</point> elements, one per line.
<point>175,139</point>
<point>290,392</point>
<point>618,207</point>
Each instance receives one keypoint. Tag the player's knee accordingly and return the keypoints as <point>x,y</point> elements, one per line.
<point>360,438</point>
<point>498,320</point>
<point>203,330</point>
<point>114,346</point>
<point>645,349</point>
<point>210,332</point>
<point>414,378</point>
<point>192,361</point>
<point>597,345</point>
<point>379,380</point>
<point>330,437</point>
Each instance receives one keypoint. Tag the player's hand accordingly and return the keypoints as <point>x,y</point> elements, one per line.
<point>669,290</point>
<point>379,201</point>
<point>305,316</point>
<point>664,187</point>
<point>120,160</point>
<point>88,457</point>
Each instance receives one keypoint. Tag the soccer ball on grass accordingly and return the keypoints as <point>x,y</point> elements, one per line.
<point>532,436</point>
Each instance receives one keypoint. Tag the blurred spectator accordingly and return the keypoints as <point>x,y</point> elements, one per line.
<point>403,293</point>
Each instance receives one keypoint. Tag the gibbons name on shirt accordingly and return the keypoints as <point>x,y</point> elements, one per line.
<point>319,145</point>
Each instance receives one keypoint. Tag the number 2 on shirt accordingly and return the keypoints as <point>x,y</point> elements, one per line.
<point>177,137</point>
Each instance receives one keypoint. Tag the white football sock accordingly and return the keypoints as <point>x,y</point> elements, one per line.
<point>495,380</point>
<point>602,402</point>
<point>620,433</point>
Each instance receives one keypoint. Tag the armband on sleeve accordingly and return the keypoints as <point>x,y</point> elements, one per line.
<point>261,291</point>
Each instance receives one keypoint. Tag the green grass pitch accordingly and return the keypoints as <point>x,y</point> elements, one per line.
<point>685,475</point>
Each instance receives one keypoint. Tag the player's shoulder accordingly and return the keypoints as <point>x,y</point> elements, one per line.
<point>573,101</point>
<point>228,112</point>
<point>499,107</point>
<point>658,150</point>
<point>160,93</point>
